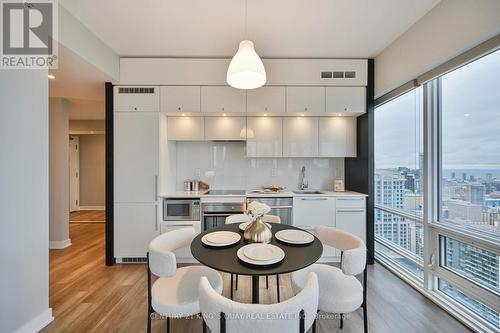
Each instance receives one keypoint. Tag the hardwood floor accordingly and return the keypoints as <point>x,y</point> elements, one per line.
<point>84,216</point>
<point>87,296</point>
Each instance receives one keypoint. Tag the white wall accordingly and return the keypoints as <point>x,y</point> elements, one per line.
<point>58,173</point>
<point>24,178</point>
<point>92,170</point>
<point>449,29</point>
<point>223,165</point>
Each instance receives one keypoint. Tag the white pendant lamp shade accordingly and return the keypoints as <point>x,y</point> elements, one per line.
<point>246,70</point>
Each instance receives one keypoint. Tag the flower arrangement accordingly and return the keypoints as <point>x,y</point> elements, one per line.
<point>257,209</point>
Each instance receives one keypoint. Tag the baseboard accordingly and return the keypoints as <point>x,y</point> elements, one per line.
<point>38,323</point>
<point>59,245</point>
<point>92,208</point>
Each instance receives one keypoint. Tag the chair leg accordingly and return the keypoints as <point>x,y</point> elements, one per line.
<point>149,322</point>
<point>365,319</point>
<point>341,321</point>
<point>231,289</point>
<point>315,321</point>
<point>278,287</point>
<point>204,325</point>
<point>168,325</point>
<point>236,288</point>
<point>267,282</point>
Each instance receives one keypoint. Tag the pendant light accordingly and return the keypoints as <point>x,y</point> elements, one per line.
<point>246,70</point>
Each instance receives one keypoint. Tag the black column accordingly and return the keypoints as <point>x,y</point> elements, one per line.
<point>110,257</point>
<point>359,171</point>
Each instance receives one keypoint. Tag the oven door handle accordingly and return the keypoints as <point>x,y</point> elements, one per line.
<point>210,215</point>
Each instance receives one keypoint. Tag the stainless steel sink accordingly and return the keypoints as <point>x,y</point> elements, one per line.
<point>307,192</point>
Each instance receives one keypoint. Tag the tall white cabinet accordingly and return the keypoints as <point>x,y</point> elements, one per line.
<point>136,168</point>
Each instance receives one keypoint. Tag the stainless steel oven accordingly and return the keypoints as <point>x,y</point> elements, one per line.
<point>214,213</point>
<point>280,206</point>
<point>181,209</point>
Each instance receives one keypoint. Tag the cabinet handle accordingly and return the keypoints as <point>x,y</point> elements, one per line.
<point>315,199</point>
<point>222,109</point>
<point>349,199</point>
<point>179,108</point>
<point>156,217</point>
<point>305,109</point>
<point>180,225</point>
<point>156,187</point>
<point>350,210</point>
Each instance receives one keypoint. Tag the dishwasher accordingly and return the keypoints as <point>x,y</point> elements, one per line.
<point>280,206</point>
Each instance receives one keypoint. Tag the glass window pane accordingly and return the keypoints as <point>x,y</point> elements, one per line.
<point>399,153</point>
<point>404,234</point>
<point>404,263</point>
<point>470,131</point>
<point>469,303</point>
<point>471,262</point>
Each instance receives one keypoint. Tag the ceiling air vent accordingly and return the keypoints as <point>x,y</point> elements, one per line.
<point>136,90</point>
<point>338,75</point>
<point>350,75</point>
<point>326,75</point>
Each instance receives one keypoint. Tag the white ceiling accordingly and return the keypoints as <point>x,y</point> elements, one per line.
<point>80,83</point>
<point>279,28</point>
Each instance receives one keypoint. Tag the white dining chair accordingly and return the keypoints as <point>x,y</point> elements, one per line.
<point>296,314</point>
<point>241,218</point>
<point>175,293</point>
<point>340,291</point>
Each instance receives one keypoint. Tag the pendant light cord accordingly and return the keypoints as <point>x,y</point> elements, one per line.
<point>246,19</point>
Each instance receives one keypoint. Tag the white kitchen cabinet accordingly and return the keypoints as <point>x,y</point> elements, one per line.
<point>180,99</point>
<point>300,137</point>
<point>264,137</point>
<point>350,215</point>
<point>346,99</point>
<point>225,128</point>
<point>136,98</point>
<point>312,211</point>
<point>185,128</point>
<point>182,254</point>
<point>337,136</point>
<point>222,99</point>
<point>266,100</point>
<point>136,161</point>
<point>305,99</point>
<point>135,225</point>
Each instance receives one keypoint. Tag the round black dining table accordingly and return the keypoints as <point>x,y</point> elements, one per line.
<point>225,259</point>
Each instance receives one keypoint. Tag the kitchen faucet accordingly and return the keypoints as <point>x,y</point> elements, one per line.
<point>303,182</point>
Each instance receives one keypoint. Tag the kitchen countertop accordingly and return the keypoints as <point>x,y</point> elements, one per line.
<point>200,194</point>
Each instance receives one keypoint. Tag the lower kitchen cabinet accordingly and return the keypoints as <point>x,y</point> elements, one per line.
<point>350,215</point>
<point>182,254</point>
<point>310,212</point>
<point>135,225</point>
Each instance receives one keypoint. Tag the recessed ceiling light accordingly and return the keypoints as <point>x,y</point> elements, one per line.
<point>50,76</point>
<point>183,114</point>
<point>223,114</point>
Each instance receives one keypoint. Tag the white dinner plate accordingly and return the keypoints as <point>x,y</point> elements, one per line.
<point>221,238</point>
<point>294,236</point>
<point>262,252</point>
<point>244,225</point>
<point>241,255</point>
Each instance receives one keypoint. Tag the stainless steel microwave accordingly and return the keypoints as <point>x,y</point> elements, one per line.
<point>181,210</point>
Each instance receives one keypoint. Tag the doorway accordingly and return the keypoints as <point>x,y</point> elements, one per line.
<point>74,174</point>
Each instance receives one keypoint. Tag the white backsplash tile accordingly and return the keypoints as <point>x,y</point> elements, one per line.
<point>224,165</point>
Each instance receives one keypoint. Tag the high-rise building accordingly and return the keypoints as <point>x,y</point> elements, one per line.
<point>476,193</point>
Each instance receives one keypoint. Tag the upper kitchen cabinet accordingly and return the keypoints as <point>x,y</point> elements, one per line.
<point>346,100</point>
<point>225,128</point>
<point>337,136</point>
<point>128,98</point>
<point>264,137</point>
<point>180,99</point>
<point>222,99</point>
<point>185,128</point>
<point>300,137</point>
<point>305,99</point>
<point>266,100</point>
<point>136,150</point>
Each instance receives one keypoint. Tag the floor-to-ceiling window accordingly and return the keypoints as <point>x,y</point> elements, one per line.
<point>453,216</point>
<point>399,182</point>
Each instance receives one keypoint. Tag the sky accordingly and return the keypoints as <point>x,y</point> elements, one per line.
<point>471,121</point>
